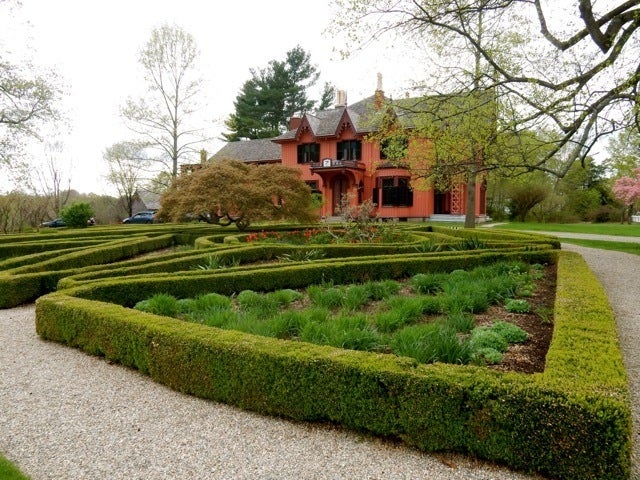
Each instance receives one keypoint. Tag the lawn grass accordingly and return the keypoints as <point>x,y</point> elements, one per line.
<point>626,247</point>
<point>613,229</point>
<point>8,471</point>
<point>624,230</point>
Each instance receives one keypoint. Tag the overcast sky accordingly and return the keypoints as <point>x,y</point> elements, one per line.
<point>94,47</point>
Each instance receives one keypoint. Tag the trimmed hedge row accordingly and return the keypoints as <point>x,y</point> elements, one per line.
<point>16,249</point>
<point>25,284</point>
<point>571,422</point>
<point>248,253</point>
<point>131,289</point>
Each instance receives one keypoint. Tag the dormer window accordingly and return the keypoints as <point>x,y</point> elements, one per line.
<point>309,153</point>
<point>349,150</point>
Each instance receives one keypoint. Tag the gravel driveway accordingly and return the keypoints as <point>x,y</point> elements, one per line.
<point>67,415</point>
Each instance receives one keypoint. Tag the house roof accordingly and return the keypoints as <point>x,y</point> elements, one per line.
<point>151,200</point>
<point>327,123</point>
<point>259,150</point>
<point>363,116</point>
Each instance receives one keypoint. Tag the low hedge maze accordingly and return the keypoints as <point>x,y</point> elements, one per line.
<point>572,421</point>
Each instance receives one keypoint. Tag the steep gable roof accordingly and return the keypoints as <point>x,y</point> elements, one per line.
<point>327,123</point>
<point>149,200</point>
<point>260,150</point>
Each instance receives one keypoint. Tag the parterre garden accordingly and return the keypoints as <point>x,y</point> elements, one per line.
<point>378,336</point>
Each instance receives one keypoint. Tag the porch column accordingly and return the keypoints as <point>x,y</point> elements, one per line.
<point>456,200</point>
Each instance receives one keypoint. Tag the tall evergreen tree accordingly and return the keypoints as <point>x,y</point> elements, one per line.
<point>272,95</point>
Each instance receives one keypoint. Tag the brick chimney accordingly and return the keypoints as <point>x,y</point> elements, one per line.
<point>341,99</point>
<point>294,123</point>
<point>379,95</point>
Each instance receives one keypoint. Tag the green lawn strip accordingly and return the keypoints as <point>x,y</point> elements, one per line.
<point>572,421</point>
<point>626,247</point>
<point>8,471</point>
<point>626,230</point>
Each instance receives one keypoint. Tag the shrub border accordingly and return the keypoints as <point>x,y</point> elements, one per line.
<point>572,422</point>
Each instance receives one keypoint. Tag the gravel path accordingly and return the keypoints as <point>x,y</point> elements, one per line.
<point>619,275</point>
<point>68,415</point>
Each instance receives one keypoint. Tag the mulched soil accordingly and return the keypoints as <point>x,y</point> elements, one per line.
<point>528,357</point>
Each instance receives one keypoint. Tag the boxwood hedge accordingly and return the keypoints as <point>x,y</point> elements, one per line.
<point>571,422</point>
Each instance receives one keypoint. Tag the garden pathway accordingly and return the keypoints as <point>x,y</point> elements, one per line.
<point>65,414</point>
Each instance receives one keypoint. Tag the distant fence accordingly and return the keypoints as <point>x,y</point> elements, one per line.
<point>635,218</point>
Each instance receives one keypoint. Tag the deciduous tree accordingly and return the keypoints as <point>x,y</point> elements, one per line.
<point>627,190</point>
<point>28,100</point>
<point>624,153</point>
<point>570,68</point>
<point>162,117</point>
<point>231,191</point>
<point>128,164</point>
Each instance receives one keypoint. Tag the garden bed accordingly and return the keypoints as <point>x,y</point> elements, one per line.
<point>372,316</point>
<point>569,421</point>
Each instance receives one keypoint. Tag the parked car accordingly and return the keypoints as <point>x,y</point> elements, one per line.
<point>58,222</point>
<point>146,216</point>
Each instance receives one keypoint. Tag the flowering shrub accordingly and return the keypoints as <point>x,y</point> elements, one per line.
<point>627,190</point>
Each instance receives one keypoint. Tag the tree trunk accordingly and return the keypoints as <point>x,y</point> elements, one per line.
<point>470,213</point>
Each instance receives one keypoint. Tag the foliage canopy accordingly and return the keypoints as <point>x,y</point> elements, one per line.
<point>570,74</point>
<point>230,191</point>
<point>162,116</point>
<point>274,94</point>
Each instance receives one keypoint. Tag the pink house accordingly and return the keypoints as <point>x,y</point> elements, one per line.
<point>332,151</point>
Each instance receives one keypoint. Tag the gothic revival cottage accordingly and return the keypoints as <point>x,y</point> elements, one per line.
<point>333,153</point>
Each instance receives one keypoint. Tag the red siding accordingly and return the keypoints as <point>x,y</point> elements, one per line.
<point>423,201</point>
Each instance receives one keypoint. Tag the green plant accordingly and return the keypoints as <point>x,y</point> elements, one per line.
<point>461,322</point>
<point>262,306</point>
<point>288,324</point>
<point>510,332</point>
<point>431,342</point>
<point>468,243</point>
<point>160,304</point>
<point>201,307</point>
<point>428,247</point>
<point>513,305</point>
<point>355,297</point>
<point>381,290</point>
<point>545,314</point>
<point>215,262</point>
<point>486,337</point>
<point>486,356</point>
<point>428,282</point>
<point>220,318</point>
<point>301,256</point>
<point>409,309</point>
<point>285,296</point>
<point>431,304</point>
<point>464,296</point>
<point>77,214</point>
<point>328,297</point>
